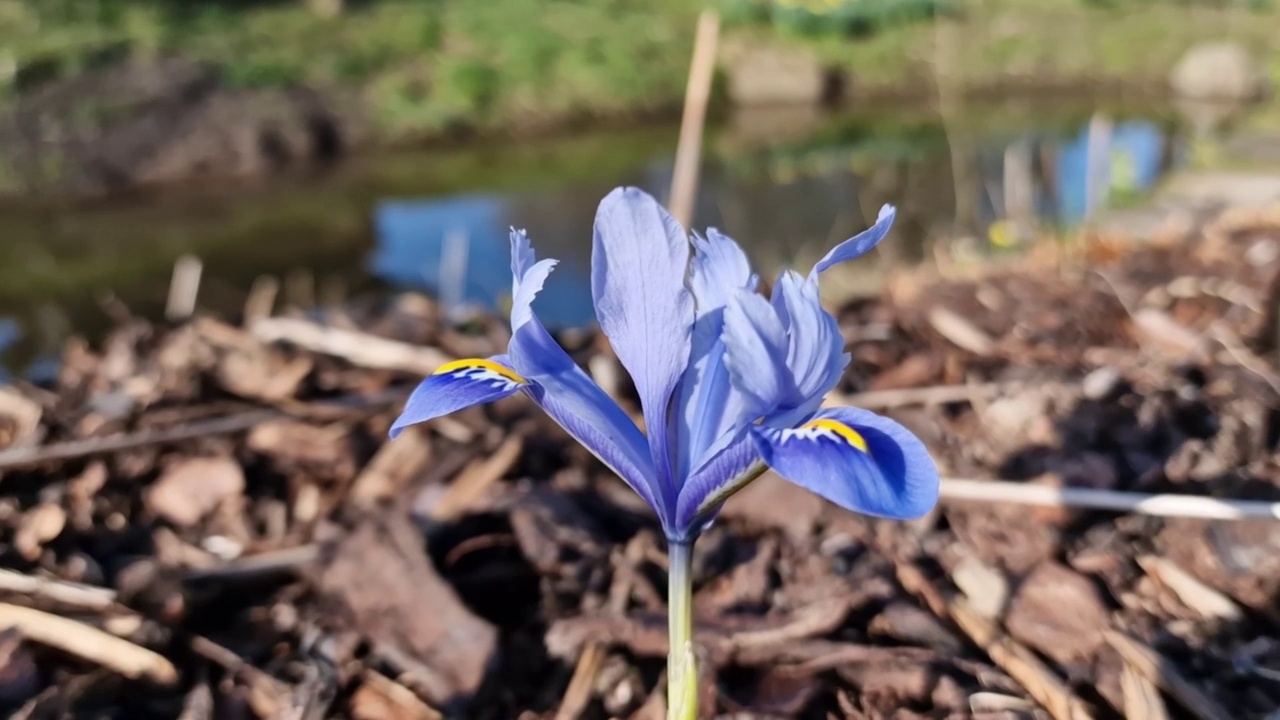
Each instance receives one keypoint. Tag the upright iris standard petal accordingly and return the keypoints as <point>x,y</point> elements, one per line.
<point>756,353</point>
<point>522,257</point>
<point>528,288</point>
<point>585,411</point>
<point>856,459</point>
<point>719,267</point>
<point>640,256</point>
<point>457,385</point>
<point>858,244</point>
<point>815,347</point>
<point>706,407</point>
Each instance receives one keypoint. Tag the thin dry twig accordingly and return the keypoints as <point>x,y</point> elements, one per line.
<point>258,564</point>
<point>85,597</point>
<point>18,457</point>
<point>184,287</point>
<point>1157,669</point>
<point>1194,594</point>
<point>684,180</point>
<point>578,694</point>
<point>358,348</point>
<point>1164,505</point>
<point>89,643</point>
<point>395,463</point>
<point>267,694</point>
<point>1142,699</point>
<point>381,697</point>
<point>476,478</point>
<point>1022,665</point>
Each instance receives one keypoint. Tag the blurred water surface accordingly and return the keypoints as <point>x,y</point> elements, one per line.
<point>786,183</point>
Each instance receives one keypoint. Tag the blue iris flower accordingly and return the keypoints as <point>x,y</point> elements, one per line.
<point>730,382</point>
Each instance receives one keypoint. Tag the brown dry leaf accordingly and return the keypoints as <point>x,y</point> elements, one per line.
<point>1240,558</point>
<point>1155,329</point>
<point>903,621</point>
<point>984,587</point>
<point>917,370</point>
<point>1194,594</point>
<point>1141,696</point>
<point>961,331</point>
<point>389,589</point>
<point>468,490</point>
<point>259,374</point>
<point>325,449</point>
<point>391,468</point>
<point>780,692</point>
<point>192,488</point>
<point>892,684</point>
<point>1058,612</point>
<point>545,522</point>
<point>38,526</point>
<point>747,584</point>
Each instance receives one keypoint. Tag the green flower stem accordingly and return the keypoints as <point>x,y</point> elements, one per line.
<point>682,674</point>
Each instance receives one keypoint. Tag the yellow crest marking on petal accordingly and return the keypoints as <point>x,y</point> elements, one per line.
<point>846,433</point>
<point>459,366</point>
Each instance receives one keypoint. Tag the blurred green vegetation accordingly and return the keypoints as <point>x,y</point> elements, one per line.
<point>423,66</point>
<point>838,17</point>
<point>1030,44</point>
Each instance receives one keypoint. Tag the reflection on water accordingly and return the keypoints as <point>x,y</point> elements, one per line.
<point>782,204</point>
<point>787,189</point>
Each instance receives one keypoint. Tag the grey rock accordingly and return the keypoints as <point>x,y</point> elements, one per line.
<point>767,75</point>
<point>1218,70</point>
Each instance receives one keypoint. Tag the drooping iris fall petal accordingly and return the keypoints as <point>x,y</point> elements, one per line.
<point>857,459</point>
<point>706,406</point>
<point>567,394</point>
<point>457,385</point>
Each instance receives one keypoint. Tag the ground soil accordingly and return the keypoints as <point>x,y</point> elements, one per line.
<point>204,520</point>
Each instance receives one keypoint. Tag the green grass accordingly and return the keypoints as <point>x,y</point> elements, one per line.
<point>423,66</point>
<point>989,43</point>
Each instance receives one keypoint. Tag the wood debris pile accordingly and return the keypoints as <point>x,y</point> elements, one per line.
<point>205,521</point>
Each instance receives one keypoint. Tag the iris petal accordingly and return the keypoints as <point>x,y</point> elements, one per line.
<point>856,459</point>
<point>564,391</point>
<point>639,259</point>
<point>457,385</point>
<point>703,490</point>
<point>522,257</point>
<point>815,347</point>
<point>527,277</point>
<point>859,244</point>
<point>567,394</point>
<point>706,407</point>
<point>756,353</point>
<point>719,267</point>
